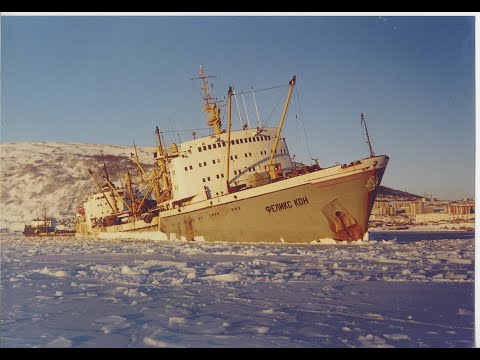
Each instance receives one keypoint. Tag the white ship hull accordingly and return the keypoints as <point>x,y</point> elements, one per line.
<point>330,203</point>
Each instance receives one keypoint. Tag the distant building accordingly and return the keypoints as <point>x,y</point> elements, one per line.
<point>398,207</point>
<point>435,217</point>
<point>460,209</point>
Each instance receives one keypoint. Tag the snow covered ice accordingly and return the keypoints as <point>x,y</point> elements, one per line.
<point>71,292</point>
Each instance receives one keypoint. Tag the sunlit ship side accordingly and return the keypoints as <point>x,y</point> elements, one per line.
<point>239,186</point>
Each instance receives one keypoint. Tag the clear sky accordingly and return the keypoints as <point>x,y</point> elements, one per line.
<point>111,80</point>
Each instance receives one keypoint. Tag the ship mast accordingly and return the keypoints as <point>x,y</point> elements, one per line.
<point>115,207</point>
<point>210,105</point>
<point>363,122</point>
<point>101,189</point>
<point>229,128</point>
<point>142,170</point>
<point>292,84</point>
<point>128,184</point>
<point>161,162</point>
<point>115,192</point>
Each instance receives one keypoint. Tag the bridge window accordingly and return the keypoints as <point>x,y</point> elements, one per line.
<point>186,168</point>
<point>209,147</point>
<point>199,149</point>
<point>199,164</point>
<point>203,179</point>
<point>222,177</point>
<point>236,141</point>
<point>218,177</point>
<point>204,163</point>
<point>204,148</point>
<point>232,142</point>
<point>191,167</point>
<point>213,161</point>
<point>214,146</point>
<point>223,143</point>
<point>241,141</point>
<point>208,178</point>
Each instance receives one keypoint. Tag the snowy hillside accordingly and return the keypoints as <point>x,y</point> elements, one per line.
<point>389,194</point>
<point>55,174</point>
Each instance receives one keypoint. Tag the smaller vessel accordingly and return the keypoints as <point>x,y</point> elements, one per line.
<point>45,227</point>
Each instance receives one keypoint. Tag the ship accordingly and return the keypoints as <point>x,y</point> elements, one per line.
<point>46,226</point>
<point>238,186</point>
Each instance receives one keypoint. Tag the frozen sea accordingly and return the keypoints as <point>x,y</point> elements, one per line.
<point>394,290</point>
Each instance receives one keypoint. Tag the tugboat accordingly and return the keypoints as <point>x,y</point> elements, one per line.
<point>45,227</point>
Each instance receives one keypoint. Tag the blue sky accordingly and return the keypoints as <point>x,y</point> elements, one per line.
<point>111,80</point>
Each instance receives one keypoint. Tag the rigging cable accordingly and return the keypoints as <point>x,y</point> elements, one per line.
<point>281,98</point>
<point>265,89</point>
<point>186,130</point>
<point>303,122</point>
<point>297,134</point>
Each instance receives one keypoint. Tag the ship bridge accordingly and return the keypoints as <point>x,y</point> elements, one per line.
<point>199,169</point>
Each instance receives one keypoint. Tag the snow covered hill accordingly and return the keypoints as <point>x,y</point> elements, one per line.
<point>54,174</point>
<point>389,194</point>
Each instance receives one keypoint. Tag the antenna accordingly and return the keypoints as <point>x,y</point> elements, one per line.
<point>210,107</point>
<point>362,122</point>
<point>238,110</point>
<point>246,111</point>
<point>256,108</point>
<point>204,78</point>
